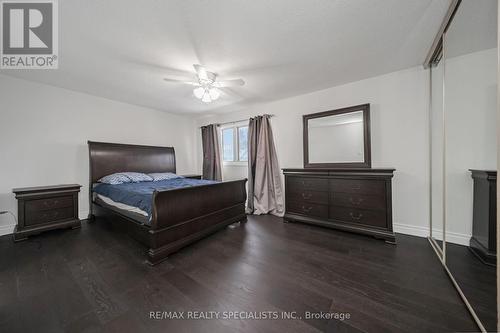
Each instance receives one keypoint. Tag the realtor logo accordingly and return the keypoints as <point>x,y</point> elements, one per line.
<point>29,34</point>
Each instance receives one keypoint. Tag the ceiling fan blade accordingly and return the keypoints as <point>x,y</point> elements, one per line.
<point>201,71</point>
<point>229,83</point>
<point>181,81</point>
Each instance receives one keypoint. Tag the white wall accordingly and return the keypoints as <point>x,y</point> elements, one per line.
<point>399,126</point>
<point>44,132</point>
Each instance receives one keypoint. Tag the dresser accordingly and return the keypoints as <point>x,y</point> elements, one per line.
<point>46,208</point>
<point>356,200</point>
<point>483,242</point>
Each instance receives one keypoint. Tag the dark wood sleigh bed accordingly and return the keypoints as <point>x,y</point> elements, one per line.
<point>179,216</point>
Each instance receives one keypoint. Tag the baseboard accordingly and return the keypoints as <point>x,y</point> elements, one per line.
<point>7,229</point>
<point>83,214</point>
<point>411,230</point>
<point>451,237</point>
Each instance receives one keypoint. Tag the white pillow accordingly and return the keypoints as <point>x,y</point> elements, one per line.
<point>115,179</point>
<point>163,176</point>
<point>137,177</point>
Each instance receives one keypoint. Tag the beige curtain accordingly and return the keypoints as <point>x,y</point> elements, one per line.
<point>265,191</point>
<point>211,153</point>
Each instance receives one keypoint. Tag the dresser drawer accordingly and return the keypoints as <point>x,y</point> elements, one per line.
<point>306,183</point>
<point>366,217</point>
<point>49,203</point>
<point>46,216</point>
<point>356,200</point>
<point>308,196</point>
<point>307,208</point>
<point>363,186</point>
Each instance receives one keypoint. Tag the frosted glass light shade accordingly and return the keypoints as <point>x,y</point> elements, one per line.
<point>206,98</point>
<point>199,92</point>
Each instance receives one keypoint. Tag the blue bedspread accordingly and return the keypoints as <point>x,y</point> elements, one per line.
<point>140,195</point>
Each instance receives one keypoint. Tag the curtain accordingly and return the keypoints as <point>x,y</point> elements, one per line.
<point>265,190</point>
<point>211,153</point>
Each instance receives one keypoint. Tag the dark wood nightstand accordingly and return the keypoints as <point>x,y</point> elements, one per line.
<point>192,176</point>
<point>46,208</point>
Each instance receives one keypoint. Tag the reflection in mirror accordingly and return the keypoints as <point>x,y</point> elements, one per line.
<point>470,99</point>
<point>344,131</point>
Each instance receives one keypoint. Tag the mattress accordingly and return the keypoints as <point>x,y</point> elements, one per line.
<point>131,212</point>
<point>140,195</point>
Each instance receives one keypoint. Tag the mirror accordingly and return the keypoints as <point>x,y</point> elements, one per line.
<point>463,155</point>
<point>338,138</point>
<point>470,105</point>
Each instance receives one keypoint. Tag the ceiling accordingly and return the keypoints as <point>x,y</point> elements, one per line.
<point>121,49</point>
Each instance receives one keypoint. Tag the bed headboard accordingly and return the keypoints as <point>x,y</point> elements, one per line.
<point>107,158</point>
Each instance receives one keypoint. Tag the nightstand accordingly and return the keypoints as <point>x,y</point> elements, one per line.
<point>46,208</point>
<point>192,176</point>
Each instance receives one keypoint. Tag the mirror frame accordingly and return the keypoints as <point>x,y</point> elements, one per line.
<point>367,163</point>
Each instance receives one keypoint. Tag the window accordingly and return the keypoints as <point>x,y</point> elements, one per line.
<point>235,144</point>
<point>228,144</point>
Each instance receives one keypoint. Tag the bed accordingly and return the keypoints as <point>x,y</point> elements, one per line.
<point>178,216</point>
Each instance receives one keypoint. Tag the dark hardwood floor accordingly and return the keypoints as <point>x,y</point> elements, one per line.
<point>478,282</point>
<point>94,279</point>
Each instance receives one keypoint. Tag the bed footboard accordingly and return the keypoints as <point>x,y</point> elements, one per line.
<point>184,215</point>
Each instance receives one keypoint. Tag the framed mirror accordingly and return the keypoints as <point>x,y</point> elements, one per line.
<point>338,138</point>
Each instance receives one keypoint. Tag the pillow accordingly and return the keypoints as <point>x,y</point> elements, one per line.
<point>163,176</point>
<point>137,177</point>
<point>115,179</point>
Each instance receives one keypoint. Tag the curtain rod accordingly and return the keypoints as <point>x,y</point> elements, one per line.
<point>238,121</point>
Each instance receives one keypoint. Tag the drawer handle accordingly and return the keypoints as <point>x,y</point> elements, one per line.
<point>357,188</point>
<point>306,209</point>
<point>357,218</point>
<point>356,202</point>
<point>306,196</point>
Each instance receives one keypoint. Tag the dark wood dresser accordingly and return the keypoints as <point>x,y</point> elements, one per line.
<point>357,200</point>
<point>483,242</point>
<point>46,208</point>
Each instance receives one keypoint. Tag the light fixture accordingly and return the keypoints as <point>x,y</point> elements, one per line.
<point>206,93</point>
<point>214,93</point>
<point>199,92</point>
<point>206,97</point>
<point>207,84</point>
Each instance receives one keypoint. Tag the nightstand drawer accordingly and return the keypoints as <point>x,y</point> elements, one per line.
<point>49,203</point>
<point>46,216</point>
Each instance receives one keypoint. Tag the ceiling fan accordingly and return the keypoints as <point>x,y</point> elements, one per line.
<point>207,85</point>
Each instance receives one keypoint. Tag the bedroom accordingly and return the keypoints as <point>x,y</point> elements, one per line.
<point>387,230</point>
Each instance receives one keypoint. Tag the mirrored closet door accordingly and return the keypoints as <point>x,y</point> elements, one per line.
<point>463,81</point>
